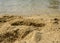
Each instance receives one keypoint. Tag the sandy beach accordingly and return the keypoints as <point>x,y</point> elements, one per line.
<point>30,29</point>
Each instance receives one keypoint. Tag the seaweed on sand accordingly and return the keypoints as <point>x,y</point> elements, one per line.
<point>9,36</point>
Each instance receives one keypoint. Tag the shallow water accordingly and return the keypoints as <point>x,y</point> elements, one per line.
<point>27,7</point>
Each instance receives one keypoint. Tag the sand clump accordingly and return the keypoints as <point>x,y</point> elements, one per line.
<point>30,29</point>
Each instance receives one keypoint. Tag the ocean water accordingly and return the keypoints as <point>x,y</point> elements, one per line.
<point>27,7</point>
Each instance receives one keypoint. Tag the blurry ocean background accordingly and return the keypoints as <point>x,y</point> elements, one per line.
<point>28,7</point>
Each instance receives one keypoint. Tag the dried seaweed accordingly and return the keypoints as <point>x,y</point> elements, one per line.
<point>37,25</point>
<point>28,24</point>
<point>26,33</point>
<point>2,20</point>
<point>17,23</point>
<point>56,21</point>
<point>9,36</point>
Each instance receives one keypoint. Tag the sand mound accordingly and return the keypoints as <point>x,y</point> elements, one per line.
<point>30,29</point>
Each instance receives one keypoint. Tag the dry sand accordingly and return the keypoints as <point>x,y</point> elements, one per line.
<point>30,29</point>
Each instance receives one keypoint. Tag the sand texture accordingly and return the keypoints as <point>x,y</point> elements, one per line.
<point>30,29</point>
